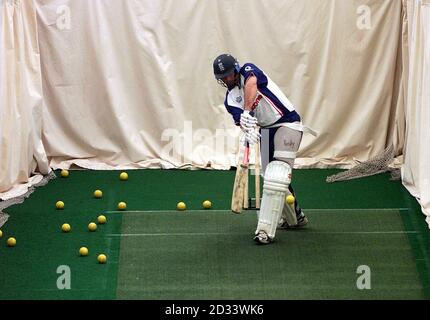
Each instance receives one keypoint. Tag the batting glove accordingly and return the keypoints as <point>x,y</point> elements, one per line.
<point>252,136</point>
<point>248,122</point>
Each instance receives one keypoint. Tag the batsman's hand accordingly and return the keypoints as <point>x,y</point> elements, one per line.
<point>252,136</point>
<point>248,122</point>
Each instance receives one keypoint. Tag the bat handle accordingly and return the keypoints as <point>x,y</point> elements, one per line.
<point>246,154</point>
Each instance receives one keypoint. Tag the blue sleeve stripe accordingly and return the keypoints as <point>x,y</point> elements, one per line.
<point>254,70</point>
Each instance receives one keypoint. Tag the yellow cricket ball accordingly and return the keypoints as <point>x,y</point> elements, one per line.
<point>11,242</point>
<point>66,227</point>
<point>83,251</point>
<point>59,205</point>
<point>290,199</point>
<point>207,204</point>
<point>64,173</point>
<point>101,258</point>
<point>92,226</point>
<point>101,219</point>
<point>123,176</point>
<point>122,205</point>
<point>181,206</point>
<point>98,194</point>
<point>1,233</point>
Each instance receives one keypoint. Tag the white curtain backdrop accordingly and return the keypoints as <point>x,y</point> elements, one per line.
<point>130,84</point>
<point>22,157</point>
<point>416,169</point>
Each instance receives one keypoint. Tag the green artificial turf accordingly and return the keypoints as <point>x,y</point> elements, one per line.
<point>29,270</point>
<point>209,255</point>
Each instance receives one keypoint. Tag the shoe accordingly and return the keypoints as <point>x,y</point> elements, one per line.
<point>262,238</point>
<point>301,222</point>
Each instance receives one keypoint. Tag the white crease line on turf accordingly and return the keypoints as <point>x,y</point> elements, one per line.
<point>224,233</point>
<point>70,290</point>
<point>173,210</point>
<point>304,209</point>
<point>358,209</point>
<point>164,234</point>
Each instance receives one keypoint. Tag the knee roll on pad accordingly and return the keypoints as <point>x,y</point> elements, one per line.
<point>277,178</point>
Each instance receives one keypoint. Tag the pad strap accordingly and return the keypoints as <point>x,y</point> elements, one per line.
<point>285,154</point>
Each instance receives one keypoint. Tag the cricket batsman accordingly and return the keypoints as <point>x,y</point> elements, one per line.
<point>253,99</point>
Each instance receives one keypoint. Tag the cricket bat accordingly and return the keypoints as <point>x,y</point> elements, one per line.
<point>237,198</point>
<point>257,176</point>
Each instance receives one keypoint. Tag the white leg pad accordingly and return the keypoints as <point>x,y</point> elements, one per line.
<point>277,178</point>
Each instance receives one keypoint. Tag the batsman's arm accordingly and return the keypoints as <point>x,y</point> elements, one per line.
<point>250,92</point>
